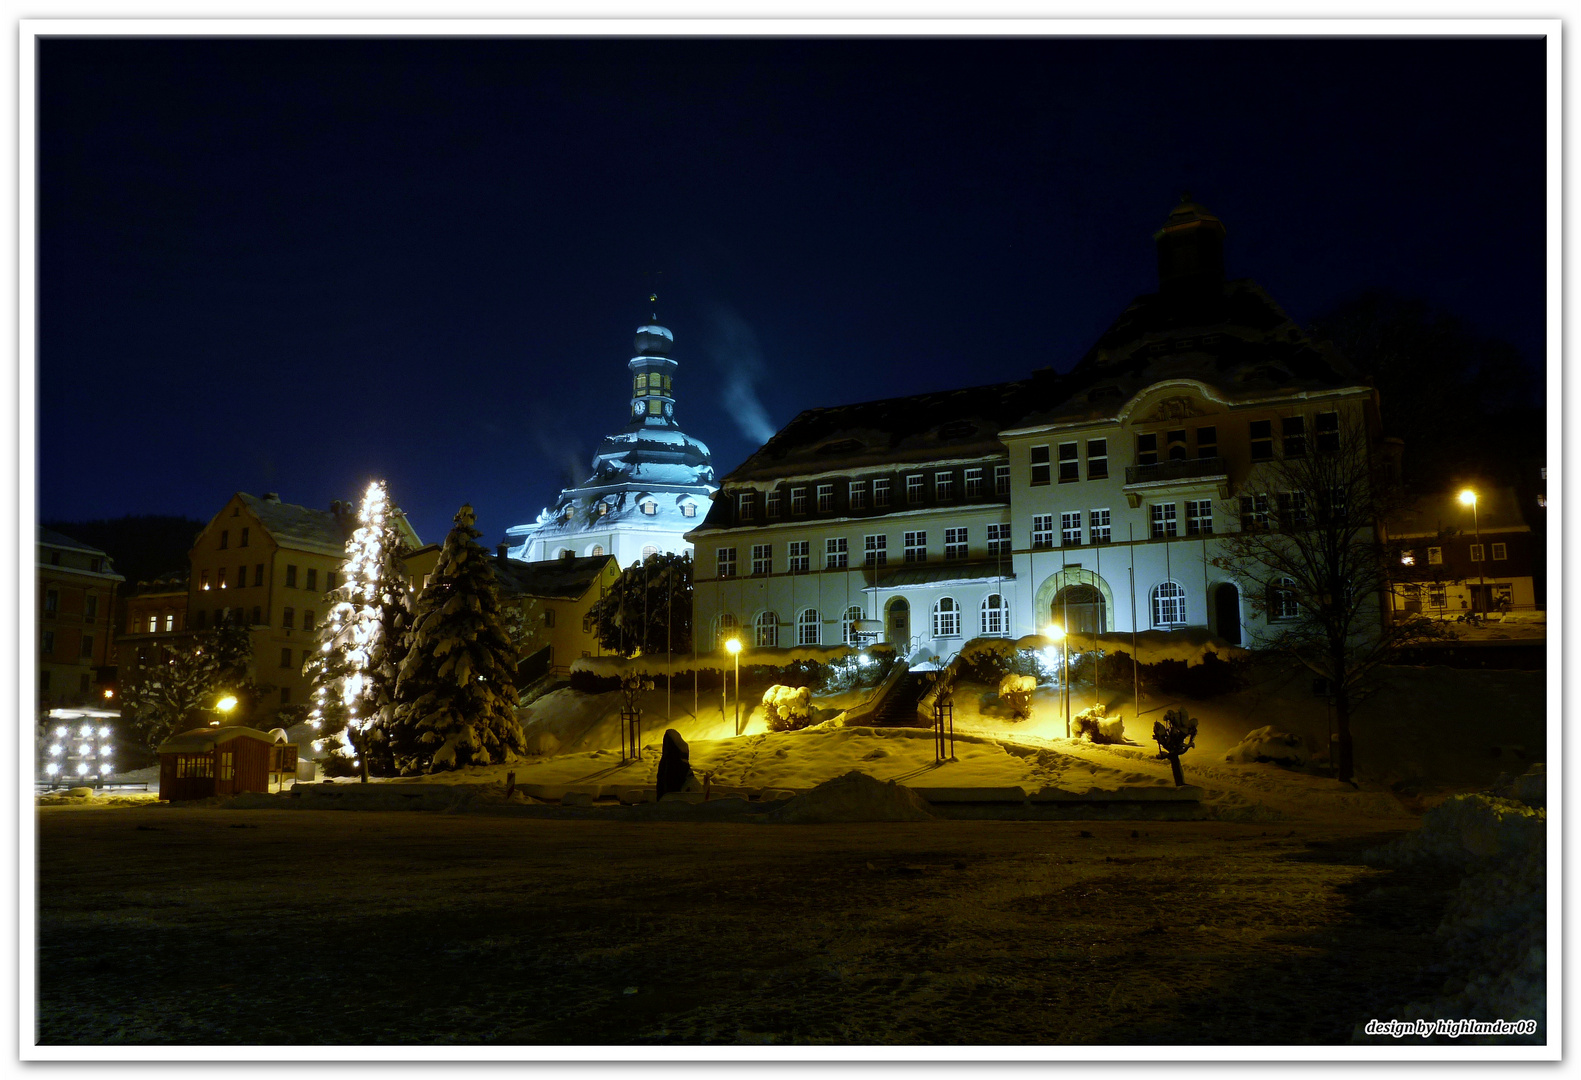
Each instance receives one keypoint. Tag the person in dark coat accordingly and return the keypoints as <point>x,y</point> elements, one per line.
<point>675,766</point>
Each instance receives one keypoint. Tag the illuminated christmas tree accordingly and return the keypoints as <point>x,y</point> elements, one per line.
<point>362,642</point>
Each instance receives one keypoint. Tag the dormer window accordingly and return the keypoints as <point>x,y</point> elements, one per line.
<point>649,507</point>
<point>688,509</point>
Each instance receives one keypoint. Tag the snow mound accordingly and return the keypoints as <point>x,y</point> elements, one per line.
<point>1095,725</point>
<point>1466,828</point>
<point>856,796</point>
<point>1192,644</point>
<point>1266,744</point>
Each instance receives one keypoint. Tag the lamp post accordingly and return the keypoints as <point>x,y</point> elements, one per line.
<point>224,705</point>
<point>1469,498</point>
<point>733,646</point>
<point>1058,634</point>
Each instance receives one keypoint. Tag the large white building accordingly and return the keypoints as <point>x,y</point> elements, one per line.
<point>651,481</point>
<point>1077,498</point>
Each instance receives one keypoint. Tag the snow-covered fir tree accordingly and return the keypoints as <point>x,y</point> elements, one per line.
<point>361,643</point>
<point>456,696</point>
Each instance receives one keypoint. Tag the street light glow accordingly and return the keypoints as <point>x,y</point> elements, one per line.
<point>1055,633</point>
<point>226,703</point>
<point>1468,497</point>
<point>732,645</point>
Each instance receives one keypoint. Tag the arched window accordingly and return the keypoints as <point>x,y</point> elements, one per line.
<point>848,621</point>
<point>725,627</point>
<point>598,549</point>
<point>768,630</point>
<point>946,618</point>
<point>807,628</point>
<point>1282,601</point>
<point>1169,605</point>
<point>649,549</point>
<point>996,616</point>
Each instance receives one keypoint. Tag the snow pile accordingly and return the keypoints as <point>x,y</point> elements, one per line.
<point>855,796</point>
<point>1191,644</point>
<point>787,707</point>
<point>1266,744</point>
<point>1495,928</point>
<point>1095,725</point>
<point>656,664</point>
<point>1015,692</point>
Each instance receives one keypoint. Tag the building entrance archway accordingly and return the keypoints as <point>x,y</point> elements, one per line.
<point>897,624</point>
<point>1227,612</point>
<point>1079,609</point>
<point>1102,613</point>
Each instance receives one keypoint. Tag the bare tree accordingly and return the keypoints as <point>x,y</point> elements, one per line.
<point>1311,558</point>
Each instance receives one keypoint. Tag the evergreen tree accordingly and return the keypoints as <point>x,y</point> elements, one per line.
<point>361,642</point>
<point>648,609</point>
<point>179,692</point>
<point>456,696</point>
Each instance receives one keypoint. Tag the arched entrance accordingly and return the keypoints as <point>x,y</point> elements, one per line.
<point>897,623</point>
<point>1055,583</point>
<point>1227,612</point>
<point>1079,609</point>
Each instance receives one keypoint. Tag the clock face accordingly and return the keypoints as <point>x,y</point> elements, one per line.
<point>636,408</point>
<point>669,409</point>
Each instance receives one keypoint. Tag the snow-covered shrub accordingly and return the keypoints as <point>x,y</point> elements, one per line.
<point>1015,691</point>
<point>787,708</point>
<point>1266,744</point>
<point>859,670</point>
<point>1096,726</point>
<point>1175,734</point>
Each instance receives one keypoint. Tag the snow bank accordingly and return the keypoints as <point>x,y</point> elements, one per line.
<point>1191,644</point>
<point>855,796</point>
<point>616,666</point>
<point>1096,726</point>
<point>1266,744</point>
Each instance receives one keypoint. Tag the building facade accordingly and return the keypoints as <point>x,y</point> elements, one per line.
<point>1453,561</point>
<point>1089,500</point>
<point>651,481</point>
<point>75,619</point>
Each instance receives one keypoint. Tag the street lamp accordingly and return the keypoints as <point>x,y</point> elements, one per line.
<point>1469,498</point>
<point>224,705</point>
<point>1058,634</point>
<point>733,647</point>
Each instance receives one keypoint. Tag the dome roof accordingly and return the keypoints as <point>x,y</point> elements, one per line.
<point>1188,213</point>
<point>654,340</point>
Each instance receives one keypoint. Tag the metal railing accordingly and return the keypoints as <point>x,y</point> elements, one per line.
<point>1180,469</point>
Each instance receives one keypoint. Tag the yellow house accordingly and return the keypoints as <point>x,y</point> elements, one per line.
<point>268,564</point>
<point>553,597</point>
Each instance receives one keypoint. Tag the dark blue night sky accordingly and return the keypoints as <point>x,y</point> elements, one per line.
<point>291,265</point>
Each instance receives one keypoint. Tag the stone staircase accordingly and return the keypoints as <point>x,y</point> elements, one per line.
<point>899,707</point>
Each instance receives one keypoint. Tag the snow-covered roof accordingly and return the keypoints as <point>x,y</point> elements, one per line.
<point>61,540</point>
<point>200,739</point>
<point>305,528</point>
<point>1498,510</point>
<point>555,579</point>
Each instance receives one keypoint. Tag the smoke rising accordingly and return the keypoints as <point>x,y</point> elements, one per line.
<point>733,348</point>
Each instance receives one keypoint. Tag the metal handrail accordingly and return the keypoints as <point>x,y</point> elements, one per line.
<point>1178,469</point>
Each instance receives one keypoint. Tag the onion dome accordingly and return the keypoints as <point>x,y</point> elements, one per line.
<point>654,340</point>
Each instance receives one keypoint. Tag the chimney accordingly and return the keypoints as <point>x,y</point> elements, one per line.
<point>499,551</point>
<point>271,496</point>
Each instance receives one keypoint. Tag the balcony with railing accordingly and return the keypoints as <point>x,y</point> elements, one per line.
<point>1160,472</point>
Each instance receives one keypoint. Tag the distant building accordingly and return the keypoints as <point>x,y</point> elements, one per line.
<point>76,605</point>
<point>651,481</point>
<point>1080,498</point>
<point>553,599</point>
<point>1446,570</point>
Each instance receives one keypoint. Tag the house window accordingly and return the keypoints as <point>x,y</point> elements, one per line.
<point>90,609</point>
<point>974,483</point>
<point>1294,430</point>
<point>220,577</point>
<point>257,615</point>
<point>241,577</point>
<point>1001,479</point>
<point>1261,433</point>
<point>1293,509</point>
<point>290,577</point>
<point>875,550</point>
<point>955,543</point>
<point>307,619</point>
<point>1500,552</point>
<point>1254,512</point>
<point>312,579</point>
<point>1069,465</point>
<point>1040,466</point>
<point>225,539</point>
<point>881,492</point>
<point>258,574</point>
<point>797,558</point>
<point>1199,517</point>
<point>227,765</point>
<point>998,539</point>
<point>916,546</point>
<point>836,555</point>
<point>1070,528</point>
<point>244,538</point>
<point>725,628</point>
<point>1097,459</point>
<point>1169,605</point>
<point>914,489</point>
<point>825,498</point>
<point>285,695</point>
<point>197,620</point>
<point>153,624</point>
<point>649,507</point>
<point>946,618</point>
<point>744,502</point>
<point>1163,520</point>
<point>52,601</point>
<point>996,616</point>
<point>943,486</point>
<point>1098,526</point>
<point>1435,556</point>
<point>1438,596</point>
<point>47,643</point>
<point>1147,449</point>
<point>1042,530</point>
<point>856,495</point>
<point>725,562</point>
<point>762,559</point>
<point>1282,604</point>
<point>87,647</point>
<point>649,549</point>
<point>548,618</point>
<point>43,682</point>
<point>1207,442</point>
<point>203,581</point>
<point>798,500</point>
<point>288,618</point>
<point>848,621</point>
<point>807,627</point>
<point>1326,430</point>
<point>768,630</point>
<point>771,504</point>
<point>1476,552</point>
<point>690,509</point>
<point>285,658</point>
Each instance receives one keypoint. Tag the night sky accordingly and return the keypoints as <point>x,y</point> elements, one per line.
<point>292,265</point>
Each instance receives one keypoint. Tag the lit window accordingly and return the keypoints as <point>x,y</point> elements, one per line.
<point>762,559</point>
<point>797,557</point>
<point>650,507</point>
<point>1163,520</point>
<point>1199,517</point>
<point>1408,559</point>
<point>1169,605</point>
<point>153,624</point>
<point>1097,459</point>
<point>1476,552</point>
<point>1039,474</point>
<point>998,539</point>
<point>1042,530</point>
<point>689,509</point>
<point>203,580</point>
<point>768,630</point>
<point>1069,466</point>
<point>1098,526</point>
<point>974,483</point>
<point>943,486</point>
<point>946,618</point>
<point>220,577</point>
<point>726,562</point>
<point>916,546</point>
<point>955,543</point>
<point>996,616</point>
<point>825,498</point>
<point>1500,552</point>
<point>1070,528</point>
<point>875,550</point>
<point>836,556</point>
<point>807,627</point>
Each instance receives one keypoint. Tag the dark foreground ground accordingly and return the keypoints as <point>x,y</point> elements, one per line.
<point>213,926</point>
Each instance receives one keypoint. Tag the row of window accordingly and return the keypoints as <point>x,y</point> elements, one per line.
<point>44,681</point>
<point>331,578</point>
<point>225,538</point>
<point>153,623</point>
<point>994,621</point>
<point>875,551</point>
<point>1099,528</point>
<point>1069,464</point>
<point>857,493</point>
<point>1435,555</point>
<point>90,604</point>
<point>47,645</point>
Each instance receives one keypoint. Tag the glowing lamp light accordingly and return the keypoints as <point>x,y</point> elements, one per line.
<point>54,751</point>
<point>82,768</point>
<point>1468,498</point>
<point>52,768</point>
<point>226,703</point>
<point>105,768</point>
<point>108,693</point>
<point>104,733</point>
<point>732,646</point>
<point>1055,633</point>
<point>86,731</point>
<point>84,750</point>
<point>1407,560</point>
<point>61,731</point>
